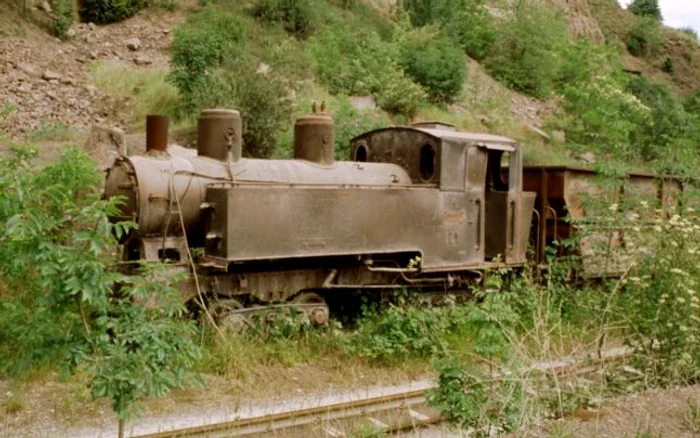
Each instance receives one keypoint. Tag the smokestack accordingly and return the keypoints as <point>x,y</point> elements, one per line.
<point>218,132</point>
<point>314,138</point>
<point>156,134</point>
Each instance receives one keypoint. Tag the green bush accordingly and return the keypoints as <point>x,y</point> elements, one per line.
<point>399,95</point>
<point>109,11</point>
<point>402,332</point>
<point>63,16</point>
<point>432,61</point>
<point>602,116</point>
<point>262,100</point>
<point>57,254</point>
<point>297,16</point>
<point>691,33</point>
<point>526,54</point>
<point>350,62</point>
<point>360,63</point>
<point>668,120</point>
<point>646,8</point>
<point>466,22</point>
<point>202,44</point>
<point>645,38</point>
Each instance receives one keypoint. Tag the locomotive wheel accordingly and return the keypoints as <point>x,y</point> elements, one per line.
<point>318,315</point>
<point>224,313</point>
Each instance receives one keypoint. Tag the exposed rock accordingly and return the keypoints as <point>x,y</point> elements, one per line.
<point>71,33</point>
<point>133,44</point>
<point>105,143</point>
<point>263,69</point>
<point>362,103</point>
<point>587,157</point>
<point>45,6</point>
<point>539,132</point>
<point>51,75</point>
<point>92,26</point>
<point>30,70</point>
<point>143,60</point>
<point>559,136</point>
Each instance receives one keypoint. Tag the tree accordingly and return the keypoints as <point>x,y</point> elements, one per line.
<point>62,301</point>
<point>646,8</point>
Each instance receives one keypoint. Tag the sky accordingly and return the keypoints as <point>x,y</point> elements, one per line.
<point>678,13</point>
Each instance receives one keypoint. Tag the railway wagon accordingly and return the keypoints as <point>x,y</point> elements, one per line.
<point>568,196</point>
<point>422,206</point>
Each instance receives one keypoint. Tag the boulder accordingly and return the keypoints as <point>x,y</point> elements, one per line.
<point>105,143</point>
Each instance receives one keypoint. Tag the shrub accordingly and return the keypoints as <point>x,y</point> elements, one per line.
<point>62,16</point>
<point>645,38</point>
<point>297,16</point>
<point>692,103</point>
<point>691,33</point>
<point>467,22</point>
<point>262,101</point>
<point>526,54</point>
<point>57,251</point>
<point>646,8</point>
<point>401,332</point>
<point>399,95</point>
<point>669,66</point>
<point>350,62</point>
<point>202,44</point>
<point>109,11</point>
<point>432,61</point>
<point>668,118</point>
<point>360,63</point>
<point>600,114</point>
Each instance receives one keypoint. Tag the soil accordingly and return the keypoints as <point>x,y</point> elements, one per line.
<point>45,80</point>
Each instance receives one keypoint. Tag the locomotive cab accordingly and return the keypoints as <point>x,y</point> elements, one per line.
<point>487,218</point>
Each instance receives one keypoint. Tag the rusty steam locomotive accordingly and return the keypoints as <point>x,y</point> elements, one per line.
<point>423,205</point>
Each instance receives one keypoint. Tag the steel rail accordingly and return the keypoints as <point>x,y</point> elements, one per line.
<point>389,413</point>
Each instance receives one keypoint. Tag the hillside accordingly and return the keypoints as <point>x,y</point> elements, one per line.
<point>55,90</point>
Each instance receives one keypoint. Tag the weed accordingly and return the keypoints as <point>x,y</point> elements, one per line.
<point>147,90</point>
<point>691,418</point>
<point>13,404</point>
<point>691,33</point>
<point>63,16</point>
<point>49,131</point>
<point>645,38</point>
<point>368,431</point>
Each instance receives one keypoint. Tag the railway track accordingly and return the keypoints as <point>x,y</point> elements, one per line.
<point>388,413</point>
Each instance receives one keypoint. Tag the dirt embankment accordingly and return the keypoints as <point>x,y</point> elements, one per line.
<point>44,81</point>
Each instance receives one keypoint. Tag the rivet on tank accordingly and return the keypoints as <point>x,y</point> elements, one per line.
<point>314,137</point>
<point>219,132</point>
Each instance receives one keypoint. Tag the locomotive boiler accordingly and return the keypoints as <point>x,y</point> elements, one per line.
<point>425,206</point>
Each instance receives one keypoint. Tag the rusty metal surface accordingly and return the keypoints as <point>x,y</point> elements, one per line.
<point>314,139</point>
<point>319,221</point>
<point>156,133</point>
<point>219,132</point>
<point>566,193</point>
